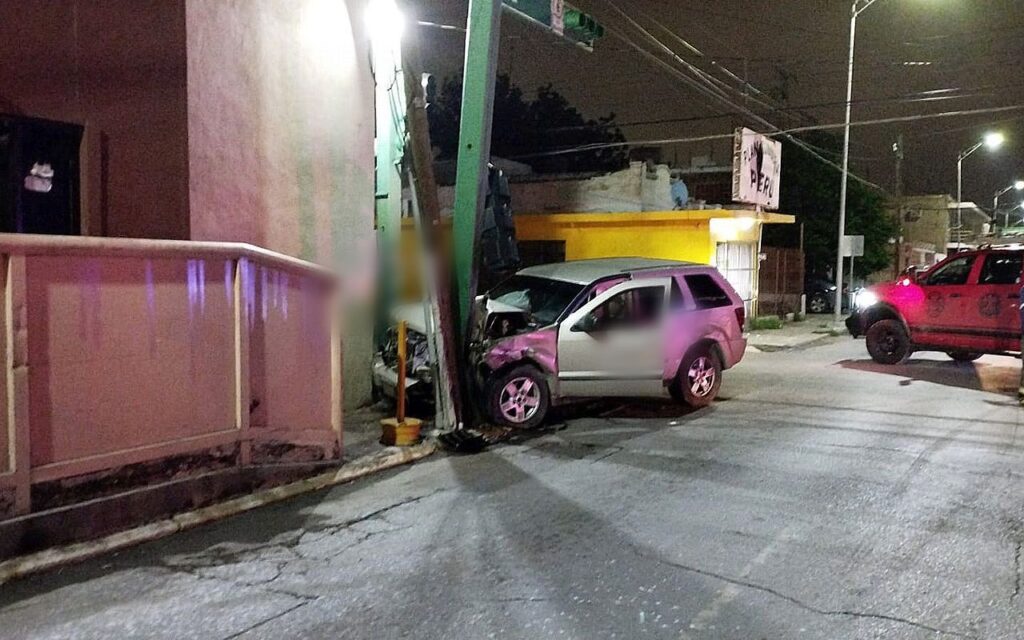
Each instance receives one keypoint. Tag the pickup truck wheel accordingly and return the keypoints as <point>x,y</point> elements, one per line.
<point>699,378</point>
<point>518,398</point>
<point>964,356</point>
<point>888,342</point>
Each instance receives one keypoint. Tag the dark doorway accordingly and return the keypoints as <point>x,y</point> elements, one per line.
<point>39,176</point>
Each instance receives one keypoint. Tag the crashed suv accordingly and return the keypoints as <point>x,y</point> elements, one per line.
<point>615,327</point>
<point>966,306</point>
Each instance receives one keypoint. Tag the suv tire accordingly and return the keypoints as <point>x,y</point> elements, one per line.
<point>699,378</point>
<point>888,342</point>
<point>518,398</point>
<point>964,356</point>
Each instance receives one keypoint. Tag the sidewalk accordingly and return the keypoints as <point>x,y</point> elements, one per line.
<point>796,334</point>
<point>363,456</point>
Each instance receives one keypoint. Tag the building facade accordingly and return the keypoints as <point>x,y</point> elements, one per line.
<point>249,121</point>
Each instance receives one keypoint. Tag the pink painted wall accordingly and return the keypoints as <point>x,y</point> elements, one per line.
<point>281,126</point>
<point>290,375</point>
<point>118,68</point>
<point>127,352</point>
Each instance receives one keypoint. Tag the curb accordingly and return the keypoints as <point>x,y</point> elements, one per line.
<point>361,467</point>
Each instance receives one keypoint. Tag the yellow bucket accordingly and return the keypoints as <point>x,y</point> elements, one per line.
<point>403,433</point>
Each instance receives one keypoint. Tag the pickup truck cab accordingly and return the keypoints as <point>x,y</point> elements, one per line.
<point>965,306</point>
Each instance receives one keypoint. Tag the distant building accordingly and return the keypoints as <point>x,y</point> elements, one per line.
<point>632,213</point>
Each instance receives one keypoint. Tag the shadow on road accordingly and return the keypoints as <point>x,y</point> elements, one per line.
<point>979,376</point>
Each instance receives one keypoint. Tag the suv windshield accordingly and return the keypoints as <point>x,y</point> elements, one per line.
<point>543,298</point>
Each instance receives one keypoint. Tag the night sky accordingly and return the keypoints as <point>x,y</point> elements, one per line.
<point>974,51</point>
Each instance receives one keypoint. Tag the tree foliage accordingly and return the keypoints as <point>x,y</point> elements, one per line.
<point>524,128</point>
<point>810,190</point>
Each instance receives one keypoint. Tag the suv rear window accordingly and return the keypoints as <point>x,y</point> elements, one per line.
<point>1001,268</point>
<point>706,292</point>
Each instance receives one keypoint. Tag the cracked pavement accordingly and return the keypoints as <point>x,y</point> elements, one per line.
<point>823,497</point>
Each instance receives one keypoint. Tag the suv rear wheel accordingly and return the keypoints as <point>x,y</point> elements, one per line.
<point>699,378</point>
<point>888,342</point>
<point>964,356</point>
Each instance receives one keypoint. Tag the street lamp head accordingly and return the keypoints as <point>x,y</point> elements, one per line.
<point>1019,185</point>
<point>994,140</point>
<point>385,21</point>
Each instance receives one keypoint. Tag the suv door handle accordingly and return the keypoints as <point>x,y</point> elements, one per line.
<point>954,295</point>
<point>1012,296</point>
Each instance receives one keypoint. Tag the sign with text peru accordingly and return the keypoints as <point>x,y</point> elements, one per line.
<point>756,169</point>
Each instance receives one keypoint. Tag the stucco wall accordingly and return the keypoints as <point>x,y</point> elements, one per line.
<point>118,68</point>
<point>280,125</point>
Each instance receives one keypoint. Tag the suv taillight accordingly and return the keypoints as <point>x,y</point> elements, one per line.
<point>741,316</point>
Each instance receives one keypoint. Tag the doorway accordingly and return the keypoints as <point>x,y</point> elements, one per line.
<point>39,176</point>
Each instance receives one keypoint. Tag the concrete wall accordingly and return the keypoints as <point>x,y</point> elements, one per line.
<point>280,125</point>
<point>128,351</point>
<point>118,68</point>
<point>632,189</point>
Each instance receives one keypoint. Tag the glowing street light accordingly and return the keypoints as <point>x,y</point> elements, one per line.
<point>1019,186</point>
<point>992,140</point>
<point>385,21</point>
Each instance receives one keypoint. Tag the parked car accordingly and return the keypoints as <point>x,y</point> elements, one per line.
<point>965,306</point>
<point>615,327</point>
<point>821,295</point>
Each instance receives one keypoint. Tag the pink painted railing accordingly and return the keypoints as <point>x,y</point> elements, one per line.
<point>121,351</point>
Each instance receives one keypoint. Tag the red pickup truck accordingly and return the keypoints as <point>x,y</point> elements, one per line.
<point>966,306</point>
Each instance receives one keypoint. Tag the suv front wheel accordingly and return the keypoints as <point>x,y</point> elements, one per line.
<point>888,342</point>
<point>518,398</point>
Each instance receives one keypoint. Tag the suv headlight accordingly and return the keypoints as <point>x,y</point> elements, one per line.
<point>865,298</point>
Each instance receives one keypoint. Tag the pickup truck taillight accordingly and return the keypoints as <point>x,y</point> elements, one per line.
<point>741,316</point>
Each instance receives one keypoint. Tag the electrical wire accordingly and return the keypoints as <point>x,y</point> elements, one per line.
<point>787,132</point>
<point>702,88</point>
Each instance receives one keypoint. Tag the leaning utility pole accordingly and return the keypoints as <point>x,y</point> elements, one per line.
<point>435,275</point>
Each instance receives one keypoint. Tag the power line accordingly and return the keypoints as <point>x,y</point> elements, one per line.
<point>787,132</point>
<point>725,100</point>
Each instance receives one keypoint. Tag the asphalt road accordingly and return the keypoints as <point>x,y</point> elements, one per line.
<point>823,497</point>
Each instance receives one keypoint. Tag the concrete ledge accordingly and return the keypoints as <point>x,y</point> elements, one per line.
<point>50,558</point>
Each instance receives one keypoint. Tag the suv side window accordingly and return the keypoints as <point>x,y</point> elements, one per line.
<point>706,292</point>
<point>631,309</point>
<point>954,272</point>
<point>1001,268</point>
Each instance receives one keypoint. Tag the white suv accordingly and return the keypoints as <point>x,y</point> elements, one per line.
<point>623,327</point>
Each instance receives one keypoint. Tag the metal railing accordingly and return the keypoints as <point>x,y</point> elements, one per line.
<point>119,351</point>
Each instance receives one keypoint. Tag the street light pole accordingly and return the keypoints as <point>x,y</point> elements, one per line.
<point>858,7</point>
<point>991,140</point>
<point>1019,186</point>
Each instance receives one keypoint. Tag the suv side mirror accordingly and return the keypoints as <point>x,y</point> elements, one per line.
<point>913,273</point>
<point>586,324</point>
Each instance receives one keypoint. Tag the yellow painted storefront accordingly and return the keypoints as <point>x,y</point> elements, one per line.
<point>670,235</point>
